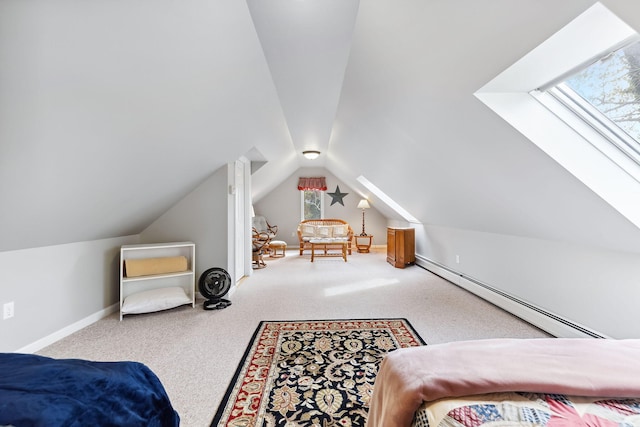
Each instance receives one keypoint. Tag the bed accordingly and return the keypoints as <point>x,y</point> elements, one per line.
<point>41,391</point>
<point>510,382</point>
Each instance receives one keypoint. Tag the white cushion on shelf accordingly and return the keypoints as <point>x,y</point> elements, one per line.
<point>155,300</point>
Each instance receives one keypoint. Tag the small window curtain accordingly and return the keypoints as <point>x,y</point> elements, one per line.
<point>318,183</point>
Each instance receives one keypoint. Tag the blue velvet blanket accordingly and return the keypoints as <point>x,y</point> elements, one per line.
<point>40,391</point>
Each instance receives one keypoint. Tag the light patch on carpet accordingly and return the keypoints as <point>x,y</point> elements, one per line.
<point>365,285</point>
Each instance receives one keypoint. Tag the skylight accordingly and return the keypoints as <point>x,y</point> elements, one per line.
<point>522,96</point>
<point>387,200</point>
<point>606,95</point>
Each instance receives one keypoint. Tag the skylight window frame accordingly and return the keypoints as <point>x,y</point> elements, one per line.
<point>539,117</point>
<point>611,140</point>
<point>593,126</point>
<point>601,123</point>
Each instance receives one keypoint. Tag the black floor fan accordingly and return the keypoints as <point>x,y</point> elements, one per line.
<point>214,283</point>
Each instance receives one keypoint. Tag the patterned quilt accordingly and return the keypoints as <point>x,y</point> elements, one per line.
<point>528,409</point>
<point>555,366</point>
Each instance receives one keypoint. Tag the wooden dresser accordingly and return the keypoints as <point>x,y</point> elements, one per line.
<point>401,246</point>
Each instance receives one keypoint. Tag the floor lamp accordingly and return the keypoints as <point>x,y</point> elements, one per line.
<point>364,204</point>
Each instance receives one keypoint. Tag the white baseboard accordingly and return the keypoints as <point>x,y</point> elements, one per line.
<point>68,330</point>
<point>554,324</point>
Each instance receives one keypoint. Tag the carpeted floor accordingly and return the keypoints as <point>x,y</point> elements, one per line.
<point>195,352</point>
<point>307,372</point>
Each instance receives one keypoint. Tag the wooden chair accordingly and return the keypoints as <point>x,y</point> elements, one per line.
<point>261,225</point>
<point>260,242</point>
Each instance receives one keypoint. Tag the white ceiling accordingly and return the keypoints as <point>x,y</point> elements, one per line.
<point>306,45</point>
<point>110,112</point>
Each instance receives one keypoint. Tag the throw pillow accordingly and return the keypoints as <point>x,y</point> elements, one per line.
<point>340,231</point>
<point>308,230</point>
<point>324,231</point>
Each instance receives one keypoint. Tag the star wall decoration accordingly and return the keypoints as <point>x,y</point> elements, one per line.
<point>337,196</point>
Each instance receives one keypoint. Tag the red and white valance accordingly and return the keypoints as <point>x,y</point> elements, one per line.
<point>317,183</point>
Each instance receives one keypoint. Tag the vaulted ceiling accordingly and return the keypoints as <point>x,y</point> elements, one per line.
<point>112,111</point>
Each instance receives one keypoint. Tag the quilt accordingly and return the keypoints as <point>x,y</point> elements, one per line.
<point>573,366</point>
<point>528,409</point>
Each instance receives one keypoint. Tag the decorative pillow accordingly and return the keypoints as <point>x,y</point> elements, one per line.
<point>308,230</point>
<point>155,300</point>
<point>340,231</point>
<point>323,231</point>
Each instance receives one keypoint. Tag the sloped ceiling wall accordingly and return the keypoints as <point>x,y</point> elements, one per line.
<point>408,100</point>
<point>110,112</point>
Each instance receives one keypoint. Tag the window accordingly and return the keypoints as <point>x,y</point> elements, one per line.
<point>521,96</point>
<point>606,95</point>
<point>387,200</point>
<point>312,204</point>
<point>312,197</point>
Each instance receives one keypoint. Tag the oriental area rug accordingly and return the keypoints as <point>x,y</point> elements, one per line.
<point>311,373</point>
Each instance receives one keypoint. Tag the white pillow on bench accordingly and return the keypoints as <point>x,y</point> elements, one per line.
<point>340,231</point>
<point>324,231</point>
<point>308,230</point>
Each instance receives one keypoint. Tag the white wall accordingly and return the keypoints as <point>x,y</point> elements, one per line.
<point>57,287</point>
<point>590,286</point>
<point>281,207</point>
<point>60,289</point>
<point>200,217</point>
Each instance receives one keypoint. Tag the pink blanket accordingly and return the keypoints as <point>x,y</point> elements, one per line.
<point>580,367</point>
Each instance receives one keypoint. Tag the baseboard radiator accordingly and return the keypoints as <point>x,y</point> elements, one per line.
<point>555,325</point>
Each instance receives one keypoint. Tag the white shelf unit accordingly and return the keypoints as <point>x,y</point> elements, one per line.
<point>184,279</point>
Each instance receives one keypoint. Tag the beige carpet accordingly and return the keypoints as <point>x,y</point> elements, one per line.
<point>195,352</point>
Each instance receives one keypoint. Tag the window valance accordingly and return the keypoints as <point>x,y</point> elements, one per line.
<point>317,183</point>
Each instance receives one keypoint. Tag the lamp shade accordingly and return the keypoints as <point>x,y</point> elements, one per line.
<point>364,204</point>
